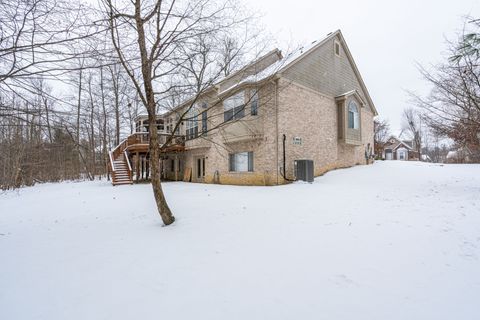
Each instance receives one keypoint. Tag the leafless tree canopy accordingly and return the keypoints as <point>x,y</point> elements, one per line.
<point>171,49</point>
<point>381,129</point>
<point>413,128</point>
<point>453,107</point>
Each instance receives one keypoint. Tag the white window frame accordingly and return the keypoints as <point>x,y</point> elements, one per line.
<point>236,102</point>
<point>356,115</point>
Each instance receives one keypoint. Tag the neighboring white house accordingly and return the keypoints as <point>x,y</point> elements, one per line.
<point>397,149</point>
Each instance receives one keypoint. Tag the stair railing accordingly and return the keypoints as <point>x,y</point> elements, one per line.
<point>112,165</point>
<point>130,173</point>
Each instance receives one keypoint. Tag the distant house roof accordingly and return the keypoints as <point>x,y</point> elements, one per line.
<point>395,143</point>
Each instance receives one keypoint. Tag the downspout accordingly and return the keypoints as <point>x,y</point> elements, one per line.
<point>284,175</point>
<point>276,126</point>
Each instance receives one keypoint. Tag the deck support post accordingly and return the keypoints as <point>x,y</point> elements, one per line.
<point>137,166</point>
<point>147,167</point>
<point>175,167</point>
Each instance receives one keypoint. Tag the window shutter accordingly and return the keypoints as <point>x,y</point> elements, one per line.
<point>204,121</point>
<point>231,161</point>
<point>250,161</point>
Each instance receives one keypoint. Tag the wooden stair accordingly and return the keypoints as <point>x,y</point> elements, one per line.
<point>119,165</point>
<point>121,172</point>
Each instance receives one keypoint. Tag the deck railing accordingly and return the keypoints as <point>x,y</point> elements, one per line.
<point>144,138</point>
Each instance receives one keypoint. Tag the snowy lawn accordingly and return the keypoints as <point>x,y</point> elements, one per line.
<point>394,240</point>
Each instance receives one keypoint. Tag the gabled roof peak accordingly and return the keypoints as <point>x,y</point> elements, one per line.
<point>353,92</point>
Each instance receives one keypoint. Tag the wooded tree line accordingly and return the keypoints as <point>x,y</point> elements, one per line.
<point>61,96</point>
<point>73,76</point>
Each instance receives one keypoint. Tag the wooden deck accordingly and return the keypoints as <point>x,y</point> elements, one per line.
<point>137,144</point>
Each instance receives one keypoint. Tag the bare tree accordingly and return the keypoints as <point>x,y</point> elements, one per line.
<point>452,109</point>
<point>413,127</point>
<point>156,41</point>
<point>381,129</point>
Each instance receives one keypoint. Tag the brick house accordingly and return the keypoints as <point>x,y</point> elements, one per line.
<point>396,149</point>
<point>250,127</point>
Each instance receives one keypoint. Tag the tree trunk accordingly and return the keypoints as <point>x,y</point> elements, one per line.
<point>154,150</point>
<point>162,206</point>
<point>105,151</point>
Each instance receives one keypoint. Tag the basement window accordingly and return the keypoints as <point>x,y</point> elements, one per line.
<point>241,162</point>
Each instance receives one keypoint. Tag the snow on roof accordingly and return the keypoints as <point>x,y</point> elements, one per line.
<point>282,64</point>
<point>274,68</point>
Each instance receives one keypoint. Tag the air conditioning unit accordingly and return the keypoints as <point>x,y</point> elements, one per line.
<point>304,170</point>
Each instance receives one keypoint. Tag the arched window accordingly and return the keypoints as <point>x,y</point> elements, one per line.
<point>353,115</point>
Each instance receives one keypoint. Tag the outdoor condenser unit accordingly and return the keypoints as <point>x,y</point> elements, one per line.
<point>304,170</point>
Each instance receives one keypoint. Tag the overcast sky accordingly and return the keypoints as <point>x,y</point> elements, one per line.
<point>386,38</point>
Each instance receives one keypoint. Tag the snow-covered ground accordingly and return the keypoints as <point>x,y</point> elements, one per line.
<point>396,240</point>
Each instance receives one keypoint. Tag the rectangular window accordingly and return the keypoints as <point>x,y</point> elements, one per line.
<point>234,107</point>
<point>192,124</point>
<point>351,120</point>
<point>254,103</point>
<point>160,124</point>
<point>241,162</point>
